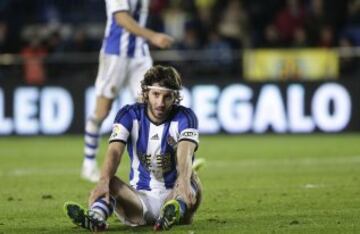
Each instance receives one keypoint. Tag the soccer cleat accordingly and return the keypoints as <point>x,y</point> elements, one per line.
<point>80,217</point>
<point>170,215</point>
<point>90,172</point>
<point>198,163</point>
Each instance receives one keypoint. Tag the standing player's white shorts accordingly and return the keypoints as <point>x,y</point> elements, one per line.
<point>116,72</point>
<point>151,202</point>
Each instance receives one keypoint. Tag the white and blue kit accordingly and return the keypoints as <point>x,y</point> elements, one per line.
<point>152,147</point>
<point>152,150</point>
<point>124,57</point>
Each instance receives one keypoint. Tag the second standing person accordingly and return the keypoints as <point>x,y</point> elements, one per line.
<point>124,59</point>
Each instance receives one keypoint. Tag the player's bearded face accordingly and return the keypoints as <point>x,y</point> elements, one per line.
<point>159,104</point>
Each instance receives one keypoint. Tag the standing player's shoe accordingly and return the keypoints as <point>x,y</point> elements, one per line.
<point>80,217</point>
<point>90,171</point>
<point>170,215</point>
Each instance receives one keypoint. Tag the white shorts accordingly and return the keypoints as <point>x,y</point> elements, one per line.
<point>116,72</point>
<point>151,203</point>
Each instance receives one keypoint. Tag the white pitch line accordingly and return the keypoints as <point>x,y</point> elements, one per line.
<point>313,186</point>
<point>40,171</point>
<point>19,172</point>
<point>285,162</point>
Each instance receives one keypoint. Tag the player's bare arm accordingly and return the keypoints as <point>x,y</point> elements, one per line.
<point>111,163</point>
<point>185,151</point>
<point>160,40</point>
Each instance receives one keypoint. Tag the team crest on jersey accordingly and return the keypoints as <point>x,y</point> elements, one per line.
<point>171,141</point>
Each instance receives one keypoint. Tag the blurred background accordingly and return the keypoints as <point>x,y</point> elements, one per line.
<point>275,84</point>
<point>249,66</point>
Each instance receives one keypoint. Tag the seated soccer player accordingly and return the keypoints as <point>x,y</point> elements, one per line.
<point>161,137</point>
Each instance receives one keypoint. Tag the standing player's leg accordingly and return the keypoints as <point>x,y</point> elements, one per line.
<point>197,189</point>
<point>111,76</point>
<point>92,135</point>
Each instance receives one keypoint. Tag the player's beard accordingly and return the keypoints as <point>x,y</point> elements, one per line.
<point>160,113</point>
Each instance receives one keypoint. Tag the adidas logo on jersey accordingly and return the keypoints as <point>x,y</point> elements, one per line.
<point>155,137</point>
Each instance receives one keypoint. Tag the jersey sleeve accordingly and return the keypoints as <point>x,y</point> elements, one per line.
<point>188,127</point>
<point>118,5</point>
<point>122,126</point>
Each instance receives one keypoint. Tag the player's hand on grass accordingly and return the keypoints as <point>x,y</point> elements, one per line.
<point>101,190</point>
<point>161,40</point>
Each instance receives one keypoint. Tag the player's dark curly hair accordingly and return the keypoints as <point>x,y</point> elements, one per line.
<point>165,76</point>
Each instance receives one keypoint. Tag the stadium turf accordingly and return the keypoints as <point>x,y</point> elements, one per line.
<point>252,184</point>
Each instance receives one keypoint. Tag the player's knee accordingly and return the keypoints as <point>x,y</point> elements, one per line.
<point>97,117</point>
<point>196,184</point>
<point>101,114</point>
<point>102,108</point>
<point>115,185</point>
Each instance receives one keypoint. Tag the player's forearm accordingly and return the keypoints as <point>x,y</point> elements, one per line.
<point>112,161</point>
<point>126,21</point>
<point>185,152</point>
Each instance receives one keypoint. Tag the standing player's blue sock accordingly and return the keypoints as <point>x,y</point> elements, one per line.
<point>90,169</point>
<point>92,135</point>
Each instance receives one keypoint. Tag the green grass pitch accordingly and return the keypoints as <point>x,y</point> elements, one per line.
<point>252,184</point>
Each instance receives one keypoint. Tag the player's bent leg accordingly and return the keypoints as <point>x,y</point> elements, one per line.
<point>129,207</point>
<point>90,169</point>
<point>175,211</point>
<point>82,218</point>
<point>170,214</point>
<point>197,187</point>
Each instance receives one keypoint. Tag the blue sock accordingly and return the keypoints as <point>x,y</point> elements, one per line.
<point>183,207</point>
<point>92,136</point>
<point>101,207</point>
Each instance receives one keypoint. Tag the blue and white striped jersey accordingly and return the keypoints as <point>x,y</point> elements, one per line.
<point>152,147</point>
<point>117,40</point>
